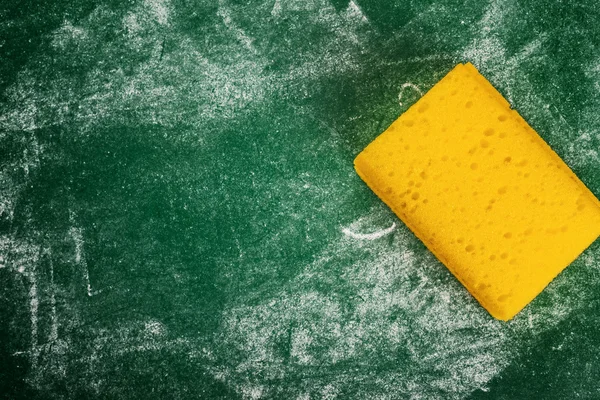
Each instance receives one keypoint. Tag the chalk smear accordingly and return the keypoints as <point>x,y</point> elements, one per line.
<point>370,236</point>
<point>408,85</point>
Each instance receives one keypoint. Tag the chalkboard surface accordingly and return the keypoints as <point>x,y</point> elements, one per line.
<point>180,218</point>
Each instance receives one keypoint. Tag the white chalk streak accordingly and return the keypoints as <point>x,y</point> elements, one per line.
<point>159,10</point>
<point>53,336</point>
<point>34,303</point>
<point>77,235</point>
<point>355,11</point>
<point>369,236</point>
<point>87,278</point>
<point>276,11</point>
<point>408,85</point>
<point>239,33</point>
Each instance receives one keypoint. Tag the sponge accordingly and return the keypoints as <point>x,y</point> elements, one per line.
<point>483,191</point>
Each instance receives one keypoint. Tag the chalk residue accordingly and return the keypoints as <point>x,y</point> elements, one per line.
<point>393,303</point>
<point>154,328</point>
<point>362,306</point>
<point>354,310</point>
<point>239,33</point>
<point>68,35</point>
<point>77,236</point>
<point>22,258</point>
<point>354,12</point>
<point>159,10</point>
<point>489,53</point>
<point>175,71</point>
<point>369,236</point>
<point>34,304</point>
<point>408,85</point>
<point>18,169</point>
<point>53,335</point>
<point>583,148</point>
<point>276,10</point>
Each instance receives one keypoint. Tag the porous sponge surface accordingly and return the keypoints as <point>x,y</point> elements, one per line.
<point>482,190</point>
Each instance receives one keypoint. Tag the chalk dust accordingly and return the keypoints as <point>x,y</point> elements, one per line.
<point>360,306</point>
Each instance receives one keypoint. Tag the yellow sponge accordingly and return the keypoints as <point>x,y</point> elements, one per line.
<point>482,190</point>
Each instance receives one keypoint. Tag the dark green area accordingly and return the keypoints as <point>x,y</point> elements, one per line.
<point>164,164</point>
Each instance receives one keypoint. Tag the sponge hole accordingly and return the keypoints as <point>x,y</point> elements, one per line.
<point>469,104</point>
<point>502,118</point>
<point>488,132</point>
<point>470,248</point>
<point>423,107</point>
<point>474,166</point>
<point>503,298</point>
<point>484,143</point>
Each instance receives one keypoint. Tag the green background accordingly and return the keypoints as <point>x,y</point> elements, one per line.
<point>178,202</point>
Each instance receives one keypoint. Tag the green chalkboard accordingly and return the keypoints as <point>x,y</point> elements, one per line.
<point>180,217</point>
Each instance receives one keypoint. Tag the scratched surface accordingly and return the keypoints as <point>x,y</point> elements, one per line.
<point>179,215</point>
